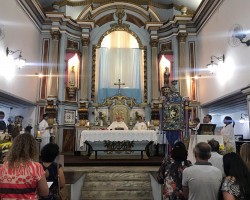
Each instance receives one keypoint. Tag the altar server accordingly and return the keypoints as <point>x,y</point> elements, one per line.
<point>45,131</point>
<point>118,124</point>
<point>140,125</point>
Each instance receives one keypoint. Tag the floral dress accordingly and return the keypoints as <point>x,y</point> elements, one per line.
<point>173,179</point>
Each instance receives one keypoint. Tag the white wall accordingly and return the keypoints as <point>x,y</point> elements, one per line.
<point>20,34</point>
<point>213,40</point>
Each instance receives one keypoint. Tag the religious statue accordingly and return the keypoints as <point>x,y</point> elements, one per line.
<point>166,76</point>
<point>72,76</point>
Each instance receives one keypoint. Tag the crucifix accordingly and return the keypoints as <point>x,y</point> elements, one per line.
<point>119,85</point>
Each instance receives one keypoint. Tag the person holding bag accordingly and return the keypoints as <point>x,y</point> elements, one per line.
<point>20,176</point>
<point>53,171</point>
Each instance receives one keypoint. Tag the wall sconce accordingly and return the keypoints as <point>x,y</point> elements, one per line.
<point>242,119</point>
<point>19,61</point>
<point>213,66</point>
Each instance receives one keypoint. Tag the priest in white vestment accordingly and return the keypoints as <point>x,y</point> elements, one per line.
<point>140,125</point>
<point>118,124</point>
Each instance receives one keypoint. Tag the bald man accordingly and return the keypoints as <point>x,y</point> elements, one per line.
<point>118,124</point>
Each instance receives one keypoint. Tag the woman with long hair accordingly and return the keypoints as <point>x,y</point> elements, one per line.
<point>245,154</point>
<point>236,185</point>
<point>228,134</point>
<point>20,176</point>
<point>171,172</point>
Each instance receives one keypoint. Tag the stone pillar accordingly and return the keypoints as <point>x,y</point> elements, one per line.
<point>154,70</point>
<point>183,68</point>
<point>84,72</point>
<point>52,87</point>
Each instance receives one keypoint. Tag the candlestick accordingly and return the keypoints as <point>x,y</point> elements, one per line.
<point>38,134</point>
<point>87,124</point>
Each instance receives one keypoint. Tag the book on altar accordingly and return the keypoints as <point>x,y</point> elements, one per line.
<point>206,129</point>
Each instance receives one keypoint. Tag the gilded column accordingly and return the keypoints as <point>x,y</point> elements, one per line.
<point>154,70</point>
<point>183,69</point>
<point>52,86</point>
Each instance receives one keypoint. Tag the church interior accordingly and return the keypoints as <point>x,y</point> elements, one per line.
<point>85,62</point>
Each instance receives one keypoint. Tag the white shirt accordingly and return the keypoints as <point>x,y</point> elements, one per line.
<point>140,126</point>
<point>217,161</point>
<point>42,127</point>
<point>116,124</point>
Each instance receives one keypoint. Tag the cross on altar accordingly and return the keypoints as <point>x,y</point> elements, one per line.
<point>119,85</point>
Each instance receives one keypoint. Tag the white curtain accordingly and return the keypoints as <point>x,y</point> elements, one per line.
<point>119,58</point>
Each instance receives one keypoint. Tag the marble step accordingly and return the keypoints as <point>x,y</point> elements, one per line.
<point>117,185</point>
<point>117,176</point>
<point>147,195</point>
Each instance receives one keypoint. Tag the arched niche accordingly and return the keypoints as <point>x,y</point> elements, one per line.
<point>143,72</point>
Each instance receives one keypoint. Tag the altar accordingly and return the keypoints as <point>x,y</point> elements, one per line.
<point>194,139</point>
<point>122,144</point>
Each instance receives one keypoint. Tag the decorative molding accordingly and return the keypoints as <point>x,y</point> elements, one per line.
<point>181,37</point>
<point>120,27</point>
<point>72,45</point>
<point>56,35</point>
<point>93,72</point>
<point>154,42</point>
<point>69,117</point>
<point>85,41</point>
<point>137,2</point>
<point>145,75</point>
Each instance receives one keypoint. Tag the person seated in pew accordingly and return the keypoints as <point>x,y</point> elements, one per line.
<point>140,125</point>
<point>118,124</point>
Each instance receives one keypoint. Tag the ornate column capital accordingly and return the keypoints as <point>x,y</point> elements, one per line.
<point>85,41</point>
<point>154,42</point>
<point>56,35</point>
<point>181,37</point>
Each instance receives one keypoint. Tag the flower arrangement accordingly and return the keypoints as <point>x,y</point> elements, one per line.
<point>5,145</point>
<point>222,149</point>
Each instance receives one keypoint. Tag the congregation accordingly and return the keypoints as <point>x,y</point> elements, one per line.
<point>212,176</point>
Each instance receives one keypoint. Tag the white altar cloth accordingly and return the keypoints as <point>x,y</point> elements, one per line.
<point>118,135</point>
<point>194,139</point>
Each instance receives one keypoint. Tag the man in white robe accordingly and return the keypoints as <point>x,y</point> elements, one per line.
<point>44,131</point>
<point>140,125</point>
<point>118,124</point>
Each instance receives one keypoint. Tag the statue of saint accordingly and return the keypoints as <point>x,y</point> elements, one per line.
<point>72,76</point>
<point>166,76</point>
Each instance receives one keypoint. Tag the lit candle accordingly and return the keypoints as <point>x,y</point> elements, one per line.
<point>148,124</point>
<point>87,124</point>
<point>38,134</point>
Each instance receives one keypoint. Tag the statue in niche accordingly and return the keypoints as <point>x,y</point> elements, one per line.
<point>166,76</point>
<point>72,76</point>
